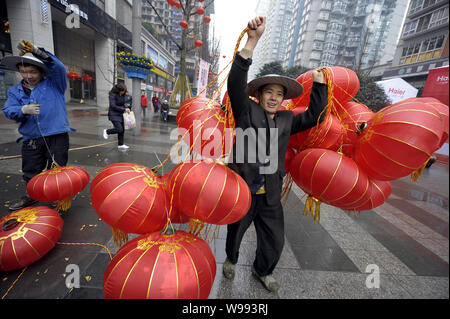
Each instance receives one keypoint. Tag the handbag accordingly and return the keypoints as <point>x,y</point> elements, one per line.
<point>129,121</point>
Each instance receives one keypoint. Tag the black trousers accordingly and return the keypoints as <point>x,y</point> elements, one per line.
<point>35,156</point>
<point>269,224</point>
<point>118,129</point>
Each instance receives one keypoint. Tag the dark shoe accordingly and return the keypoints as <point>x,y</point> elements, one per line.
<point>430,161</point>
<point>25,201</point>
<point>268,281</point>
<point>229,269</point>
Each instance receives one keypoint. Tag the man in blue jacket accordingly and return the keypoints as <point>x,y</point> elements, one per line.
<point>38,104</point>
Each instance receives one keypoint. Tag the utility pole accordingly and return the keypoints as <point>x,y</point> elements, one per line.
<point>136,43</point>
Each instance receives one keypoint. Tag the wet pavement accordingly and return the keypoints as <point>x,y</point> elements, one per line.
<point>407,238</point>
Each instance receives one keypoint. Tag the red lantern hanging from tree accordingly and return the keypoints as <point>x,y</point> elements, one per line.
<point>210,192</point>
<point>26,235</point>
<point>178,4</point>
<point>184,24</point>
<point>207,19</point>
<point>72,75</point>
<point>398,140</point>
<point>58,184</point>
<point>171,2</point>
<point>158,266</point>
<point>329,177</point>
<point>198,43</point>
<point>200,11</point>
<point>130,198</point>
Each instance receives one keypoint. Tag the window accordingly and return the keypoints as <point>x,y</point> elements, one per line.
<point>321,25</point>
<point>317,45</point>
<point>415,6</point>
<point>315,55</point>
<point>324,15</point>
<point>410,28</point>
<point>423,23</point>
<point>439,17</point>
<point>320,35</point>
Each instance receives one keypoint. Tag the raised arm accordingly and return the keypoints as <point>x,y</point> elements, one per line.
<point>237,80</point>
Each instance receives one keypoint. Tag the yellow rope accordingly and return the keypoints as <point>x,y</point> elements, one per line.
<point>12,285</point>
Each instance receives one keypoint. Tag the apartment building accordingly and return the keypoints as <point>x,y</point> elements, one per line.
<point>423,44</point>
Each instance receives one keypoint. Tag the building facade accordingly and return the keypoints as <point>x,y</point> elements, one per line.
<point>273,45</point>
<point>358,34</point>
<point>424,43</point>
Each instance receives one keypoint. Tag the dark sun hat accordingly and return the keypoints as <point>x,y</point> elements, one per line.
<point>293,88</point>
<point>12,62</point>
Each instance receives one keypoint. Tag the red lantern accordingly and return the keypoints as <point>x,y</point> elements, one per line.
<point>130,198</point>
<point>441,109</point>
<point>184,24</point>
<point>290,154</point>
<point>398,140</point>
<point>87,78</point>
<point>330,177</point>
<point>158,266</point>
<point>346,85</point>
<point>171,2</point>
<point>210,192</point>
<point>72,75</point>
<point>178,4</point>
<point>353,115</point>
<point>379,193</point>
<point>205,127</point>
<point>200,11</point>
<point>198,43</point>
<point>329,134</point>
<point>26,235</point>
<point>207,19</point>
<point>58,184</point>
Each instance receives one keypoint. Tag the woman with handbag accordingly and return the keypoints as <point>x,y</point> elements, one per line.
<point>119,103</point>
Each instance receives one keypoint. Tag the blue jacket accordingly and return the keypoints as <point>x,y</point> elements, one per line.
<point>49,93</point>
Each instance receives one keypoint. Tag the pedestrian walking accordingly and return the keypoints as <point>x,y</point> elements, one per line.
<point>119,103</point>
<point>144,103</point>
<point>165,110</point>
<point>38,105</point>
<point>155,102</point>
<point>266,211</point>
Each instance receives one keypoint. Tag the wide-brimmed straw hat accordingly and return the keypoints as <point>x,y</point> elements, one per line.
<point>293,88</point>
<point>12,62</point>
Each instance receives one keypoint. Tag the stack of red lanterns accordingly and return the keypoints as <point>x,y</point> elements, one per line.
<point>350,158</point>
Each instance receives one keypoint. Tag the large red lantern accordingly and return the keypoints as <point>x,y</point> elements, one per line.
<point>379,193</point>
<point>200,11</point>
<point>443,112</point>
<point>205,127</point>
<point>26,235</point>
<point>352,116</point>
<point>330,177</point>
<point>329,134</point>
<point>58,184</point>
<point>130,198</point>
<point>345,85</point>
<point>210,192</point>
<point>398,140</point>
<point>158,266</point>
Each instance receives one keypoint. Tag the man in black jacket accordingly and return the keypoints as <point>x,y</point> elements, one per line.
<point>262,137</point>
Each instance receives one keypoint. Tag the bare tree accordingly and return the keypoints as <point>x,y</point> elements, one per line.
<point>184,45</point>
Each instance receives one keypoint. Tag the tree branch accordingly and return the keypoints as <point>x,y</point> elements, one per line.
<point>165,26</point>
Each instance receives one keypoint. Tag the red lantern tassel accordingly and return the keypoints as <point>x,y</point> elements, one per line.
<point>64,204</point>
<point>195,226</point>
<point>415,175</point>
<point>311,201</point>
<point>119,236</point>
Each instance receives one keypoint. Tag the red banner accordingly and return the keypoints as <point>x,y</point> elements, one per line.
<point>437,84</point>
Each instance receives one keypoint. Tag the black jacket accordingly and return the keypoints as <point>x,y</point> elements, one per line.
<point>250,116</point>
<point>117,106</point>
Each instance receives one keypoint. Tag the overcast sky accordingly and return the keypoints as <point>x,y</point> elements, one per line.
<point>230,19</point>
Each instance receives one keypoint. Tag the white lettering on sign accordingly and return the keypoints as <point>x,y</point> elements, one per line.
<point>442,79</point>
<point>74,9</point>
